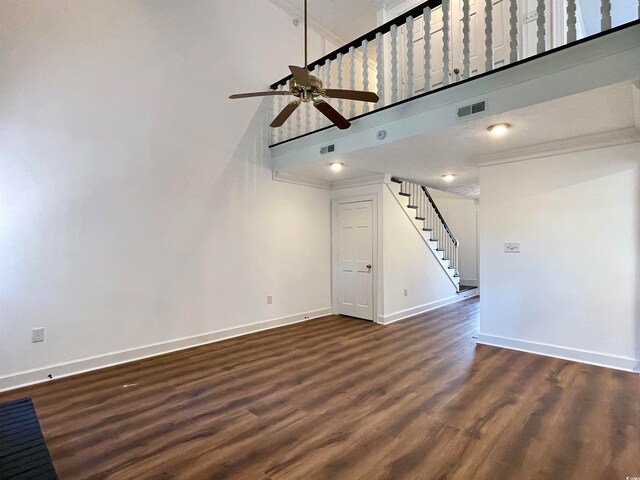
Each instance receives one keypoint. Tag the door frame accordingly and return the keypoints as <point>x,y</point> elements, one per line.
<point>376,254</point>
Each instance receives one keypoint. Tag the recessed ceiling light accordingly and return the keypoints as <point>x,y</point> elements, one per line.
<point>499,129</point>
<point>336,166</point>
<point>448,177</point>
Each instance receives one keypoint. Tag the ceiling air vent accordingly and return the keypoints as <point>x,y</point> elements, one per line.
<point>472,109</point>
<point>328,149</point>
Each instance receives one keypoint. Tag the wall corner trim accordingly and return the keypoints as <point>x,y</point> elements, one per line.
<point>617,362</point>
<point>82,365</point>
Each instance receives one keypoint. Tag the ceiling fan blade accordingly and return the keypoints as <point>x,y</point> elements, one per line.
<point>332,114</point>
<point>285,113</point>
<point>352,95</point>
<point>260,94</point>
<point>301,75</point>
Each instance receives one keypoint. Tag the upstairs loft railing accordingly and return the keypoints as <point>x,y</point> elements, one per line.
<point>432,46</point>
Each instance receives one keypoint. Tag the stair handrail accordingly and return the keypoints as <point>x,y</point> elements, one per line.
<point>369,36</point>
<point>444,223</point>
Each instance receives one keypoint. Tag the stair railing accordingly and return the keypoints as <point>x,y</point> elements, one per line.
<point>389,62</point>
<point>434,223</point>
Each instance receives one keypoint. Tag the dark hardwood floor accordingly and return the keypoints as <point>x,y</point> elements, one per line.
<point>341,398</point>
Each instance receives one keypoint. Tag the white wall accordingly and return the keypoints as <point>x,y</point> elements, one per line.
<point>573,291</point>
<point>136,201</point>
<point>461,214</point>
<point>409,264</point>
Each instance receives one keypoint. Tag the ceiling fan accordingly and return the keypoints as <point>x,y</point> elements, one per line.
<point>308,88</point>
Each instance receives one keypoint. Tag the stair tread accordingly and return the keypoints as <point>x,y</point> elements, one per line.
<point>426,229</point>
<point>404,194</point>
<point>396,180</point>
<point>419,218</point>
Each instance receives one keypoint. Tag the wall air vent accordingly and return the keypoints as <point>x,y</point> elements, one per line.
<point>327,149</point>
<point>472,109</point>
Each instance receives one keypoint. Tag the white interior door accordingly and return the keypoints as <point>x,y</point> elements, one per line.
<point>477,48</point>
<point>500,27</point>
<point>418,53</point>
<point>355,259</point>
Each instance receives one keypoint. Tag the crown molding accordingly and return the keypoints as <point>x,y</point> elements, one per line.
<point>594,141</point>
<point>288,177</point>
<point>372,179</point>
<point>297,179</point>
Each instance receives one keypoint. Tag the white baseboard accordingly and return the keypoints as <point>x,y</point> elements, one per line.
<point>411,312</point>
<point>74,367</point>
<point>617,362</point>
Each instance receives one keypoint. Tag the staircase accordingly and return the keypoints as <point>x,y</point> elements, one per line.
<point>428,220</point>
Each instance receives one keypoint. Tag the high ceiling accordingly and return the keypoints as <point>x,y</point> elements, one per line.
<point>461,148</point>
<point>339,20</point>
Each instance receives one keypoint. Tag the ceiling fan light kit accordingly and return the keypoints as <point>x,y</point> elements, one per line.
<point>309,89</point>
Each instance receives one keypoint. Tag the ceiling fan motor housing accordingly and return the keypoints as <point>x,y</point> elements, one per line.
<point>306,93</point>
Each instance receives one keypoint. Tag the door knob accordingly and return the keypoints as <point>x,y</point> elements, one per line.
<point>369,266</point>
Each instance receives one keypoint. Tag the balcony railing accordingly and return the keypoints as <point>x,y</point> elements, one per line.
<point>435,45</point>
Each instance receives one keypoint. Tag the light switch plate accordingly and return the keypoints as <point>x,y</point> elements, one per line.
<point>511,247</point>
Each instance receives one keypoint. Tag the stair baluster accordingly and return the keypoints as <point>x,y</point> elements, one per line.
<point>380,69</point>
<point>541,10</point>
<point>409,81</point>
<point>394,63</point>
<point>571,21</point>
<point>446,38</point>
<point>513,31</point>
<point>365,72</point>
<point>352,78</point>
<point>318,119</point>
<point>488,35</point>
<point>426,17</point>
<point>466,39</point>
<point>605,12</point>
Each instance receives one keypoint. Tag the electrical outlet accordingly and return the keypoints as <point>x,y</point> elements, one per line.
<point>512,247</point>
<point>405,292</point>
<point>269,299</point>
<point>37,335</point>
